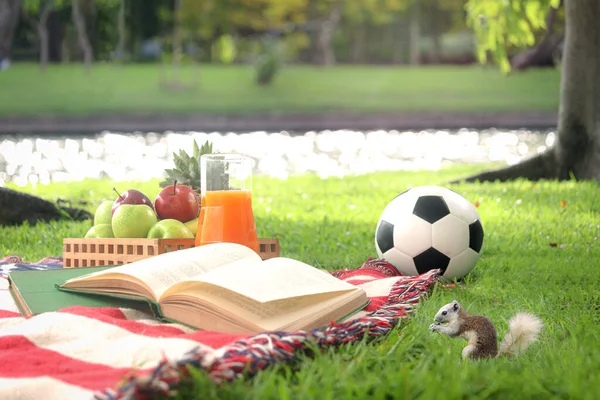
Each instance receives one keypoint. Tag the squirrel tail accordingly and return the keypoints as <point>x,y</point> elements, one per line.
<point>523,330</point>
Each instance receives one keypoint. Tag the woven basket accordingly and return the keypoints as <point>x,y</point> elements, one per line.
<point>79,252</point>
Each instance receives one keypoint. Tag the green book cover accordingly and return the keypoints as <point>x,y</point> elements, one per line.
<point>36,292</point>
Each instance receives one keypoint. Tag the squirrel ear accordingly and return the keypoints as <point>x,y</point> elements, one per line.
<point>455,305</point>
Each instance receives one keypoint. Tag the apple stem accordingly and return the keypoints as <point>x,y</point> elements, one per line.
<point>121,197</point>
<point>174,185</point>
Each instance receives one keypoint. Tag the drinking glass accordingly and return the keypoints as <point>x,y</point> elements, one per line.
<point>211,230</point>
<point>226,183</point>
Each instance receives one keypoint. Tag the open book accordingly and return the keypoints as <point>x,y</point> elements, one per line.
<point>227,287</point>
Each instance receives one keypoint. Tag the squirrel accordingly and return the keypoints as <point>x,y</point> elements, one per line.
<point>480,332</point>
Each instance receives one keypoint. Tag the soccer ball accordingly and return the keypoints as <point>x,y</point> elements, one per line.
<point>430,227</point>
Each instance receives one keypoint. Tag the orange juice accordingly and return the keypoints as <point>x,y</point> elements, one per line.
<point>200,222</point>
<point>233,223</point>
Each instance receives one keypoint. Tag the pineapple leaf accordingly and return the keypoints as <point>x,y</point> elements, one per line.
<point>187,169</point>
<point>206,148</point>
<point>183,155</point>
<point>196,150</point>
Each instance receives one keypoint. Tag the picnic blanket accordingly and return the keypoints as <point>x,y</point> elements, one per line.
<point>112,353</point>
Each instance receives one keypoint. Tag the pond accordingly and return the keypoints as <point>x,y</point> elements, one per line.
<point>30,159</point>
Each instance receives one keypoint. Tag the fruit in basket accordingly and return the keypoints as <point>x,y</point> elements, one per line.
<point>103,214</point>
<point>170,229</point>
<point>131,196</point>
<point>192,225</point>
<point>101,231</point>
<point>133,221</point>
<point>178,202</point>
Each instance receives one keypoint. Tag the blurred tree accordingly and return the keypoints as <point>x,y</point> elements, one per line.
<point>82,35</point>
<point>122,32</point>
<point>415,32</point>
<point>547,50</point>
<point>9,17</point>
<point>177,36</point>
<point>576,149</point>
<point>269,62</point>
<point>323,19</point>
<point>36,12</point>
<point>500,25</point>
<point>443,16</point>
<point>360,15</point>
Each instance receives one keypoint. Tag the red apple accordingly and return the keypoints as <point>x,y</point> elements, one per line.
<point>178,202</point>
<point>131,196</point>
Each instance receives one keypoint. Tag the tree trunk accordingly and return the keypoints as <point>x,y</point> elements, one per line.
<point>84,42</point>
<point>576,151</point>
<point>177,43</point>
<point>415,33</point>
<point>399,46</point>
<point>56,34</point>
<point>121,32</point>
<point>323,51</point>
<point>42,28</point>
<point>357,48</point>
<point>9,16</point>
<point>436,50</point>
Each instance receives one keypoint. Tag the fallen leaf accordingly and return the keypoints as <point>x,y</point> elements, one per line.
<point>476,203</point>
<point>563,204</point>
<point>553,244</point>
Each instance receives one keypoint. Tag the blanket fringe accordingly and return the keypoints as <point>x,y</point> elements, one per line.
<point>249,356</point>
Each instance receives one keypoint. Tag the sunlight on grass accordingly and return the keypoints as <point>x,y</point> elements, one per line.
<point>539,255</point>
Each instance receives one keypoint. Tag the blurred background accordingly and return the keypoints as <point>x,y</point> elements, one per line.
<point>321,81</point>
<point>316,32</point>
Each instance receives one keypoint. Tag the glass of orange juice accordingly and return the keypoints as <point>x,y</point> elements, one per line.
<point>226,200</point>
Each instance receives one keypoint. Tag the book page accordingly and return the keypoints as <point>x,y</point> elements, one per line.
<point>162,271</point>
<point>273,279</point>
<point>212,307</point>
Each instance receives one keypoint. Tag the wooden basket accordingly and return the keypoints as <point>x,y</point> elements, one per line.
<point>95,252</point>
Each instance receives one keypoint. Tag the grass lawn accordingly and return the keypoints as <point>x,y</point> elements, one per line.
<point>331,222</point>
<point>66,90</point>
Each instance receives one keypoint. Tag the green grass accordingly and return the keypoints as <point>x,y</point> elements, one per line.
<point>66,90</point>
<point>331,222</point>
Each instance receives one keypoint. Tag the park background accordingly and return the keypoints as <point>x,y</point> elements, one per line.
<point>394,62</point>
<point>82,69</point>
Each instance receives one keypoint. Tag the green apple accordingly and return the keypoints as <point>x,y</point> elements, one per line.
<point>103,213</point>
<point>170,229</point>
<point>192,225</point>
<point>133,221</point>
<point>100,231</point>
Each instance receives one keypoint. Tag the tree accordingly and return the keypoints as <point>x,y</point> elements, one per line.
<point>9,16</point>
<point>325,16</point>
<point>360,15</point>
<point>576,150</point>
<point>41,9</point>
<point>175,17</point>
<point>122,32</point>
<point>544,52</point>
<point>415,33</point>
<point>82,36</point>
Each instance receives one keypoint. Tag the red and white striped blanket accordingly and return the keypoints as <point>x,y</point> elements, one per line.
<point>110,353</point>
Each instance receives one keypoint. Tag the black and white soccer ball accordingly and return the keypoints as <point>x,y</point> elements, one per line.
<point>430,227</point>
